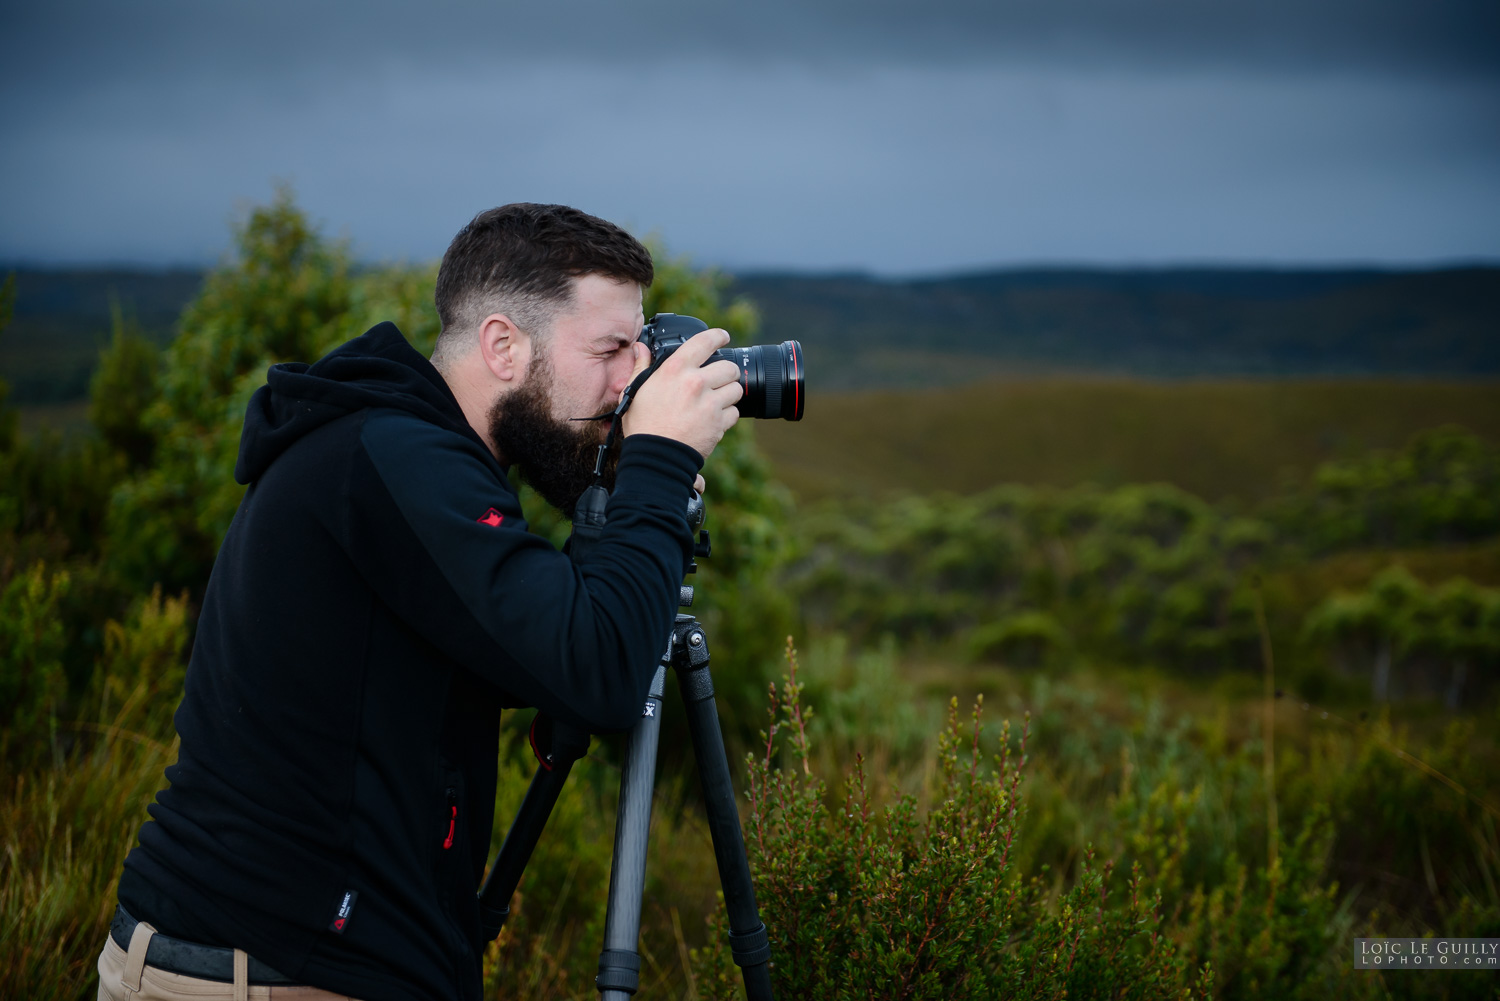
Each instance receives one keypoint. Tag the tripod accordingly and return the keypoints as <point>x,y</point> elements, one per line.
<point>557,746</point>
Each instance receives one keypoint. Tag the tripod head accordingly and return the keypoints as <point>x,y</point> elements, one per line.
<point>588,524</point>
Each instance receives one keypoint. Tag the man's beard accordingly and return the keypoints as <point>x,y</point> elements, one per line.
<point>556,457</point>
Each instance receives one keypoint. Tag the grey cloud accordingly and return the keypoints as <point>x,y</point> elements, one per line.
<point>896,169</point>
<point>69,43</point>
<point>822,133</point>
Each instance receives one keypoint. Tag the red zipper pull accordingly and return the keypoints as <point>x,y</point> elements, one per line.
<point>452,820</point>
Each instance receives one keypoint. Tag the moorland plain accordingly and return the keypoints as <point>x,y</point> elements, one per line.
<point>1238,440</point>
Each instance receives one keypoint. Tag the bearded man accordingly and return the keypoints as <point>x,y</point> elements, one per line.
<point>378,601</point>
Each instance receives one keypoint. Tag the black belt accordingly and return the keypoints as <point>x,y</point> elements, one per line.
<point>207,962</point>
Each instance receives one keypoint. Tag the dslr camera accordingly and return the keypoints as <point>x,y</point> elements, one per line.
<point>771,374</point>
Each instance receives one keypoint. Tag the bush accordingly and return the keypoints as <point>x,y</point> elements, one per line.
<point>144,661</point>
<point>122,389</point>
<point>32,680</point>
<point>869,707</point>
<point>1442,487</point>
<point>1416,640</point>
<point>285,296</point>
<point>1182,895</point>
<point>1027,639</point>
<point>1141,573</point>
<point>903,903</point>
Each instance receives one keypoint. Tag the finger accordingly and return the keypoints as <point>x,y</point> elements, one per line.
<point>696,349</point>
<point>726,394</point>
<point>699,484</point>
<point>721,373</point>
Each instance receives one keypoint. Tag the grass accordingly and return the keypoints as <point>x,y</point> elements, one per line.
<point>1222,440</point>
<point>66,831</point>
<point>1111,749</point>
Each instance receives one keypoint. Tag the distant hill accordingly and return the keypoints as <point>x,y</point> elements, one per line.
<point>861,332</point>
<point>62,319</point>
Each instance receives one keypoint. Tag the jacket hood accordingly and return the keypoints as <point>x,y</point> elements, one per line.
<point>376,369</point>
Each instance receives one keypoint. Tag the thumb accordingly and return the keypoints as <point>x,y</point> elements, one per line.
<point>642,359</point>
<point>642,362</point>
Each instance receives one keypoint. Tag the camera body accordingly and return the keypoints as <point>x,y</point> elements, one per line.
<point>772,374</point>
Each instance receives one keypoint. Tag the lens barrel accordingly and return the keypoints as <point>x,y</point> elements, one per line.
<point>772,375</point>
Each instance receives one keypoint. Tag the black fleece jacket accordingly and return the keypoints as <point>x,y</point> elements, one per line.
<point>376,603</point>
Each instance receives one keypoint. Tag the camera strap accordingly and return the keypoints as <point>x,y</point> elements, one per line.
<point>615,418</point>
<point>588,516</point>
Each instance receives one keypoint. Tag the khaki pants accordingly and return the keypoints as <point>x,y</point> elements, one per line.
<point>124,976</point>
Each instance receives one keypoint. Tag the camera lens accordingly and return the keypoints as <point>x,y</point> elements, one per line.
<point>772,376</point>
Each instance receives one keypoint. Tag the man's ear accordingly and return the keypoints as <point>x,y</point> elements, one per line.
<point>504,347</point>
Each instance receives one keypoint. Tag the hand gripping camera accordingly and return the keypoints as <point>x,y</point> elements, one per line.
<point>771,374</point>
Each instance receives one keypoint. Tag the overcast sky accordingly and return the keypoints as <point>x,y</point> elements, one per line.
<point>900,138</point>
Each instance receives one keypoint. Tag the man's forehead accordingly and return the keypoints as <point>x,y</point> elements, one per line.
<point>601,291</point>
<point>603,309</point>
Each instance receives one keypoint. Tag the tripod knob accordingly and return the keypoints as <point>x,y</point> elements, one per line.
<point>685,596</point>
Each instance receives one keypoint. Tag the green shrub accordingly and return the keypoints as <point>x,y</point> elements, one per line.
<point>54,498</point>
<point>1180,895</point>
<point>1141,573</point>
<point>1413,639</point>
<point>1442,487</point>
<point>122,389</point>
<point>285,296</point>
<point>141,671</point>
<point>1026,639</point>
<point>904,903</point>
<point>869,706</point>
<point>32,681</point>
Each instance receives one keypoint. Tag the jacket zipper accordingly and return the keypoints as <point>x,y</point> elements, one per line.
<point>452,817</point>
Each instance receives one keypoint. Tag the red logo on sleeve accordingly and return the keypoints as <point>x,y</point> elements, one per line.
<point>346,907</point>
<point>491,518</point>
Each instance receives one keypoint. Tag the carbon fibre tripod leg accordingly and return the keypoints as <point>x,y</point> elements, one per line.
<point>748,942</point>
<point>620,963</point>
<point>556,747</point>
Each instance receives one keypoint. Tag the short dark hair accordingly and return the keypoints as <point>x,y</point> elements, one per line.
<point>519,259</point>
